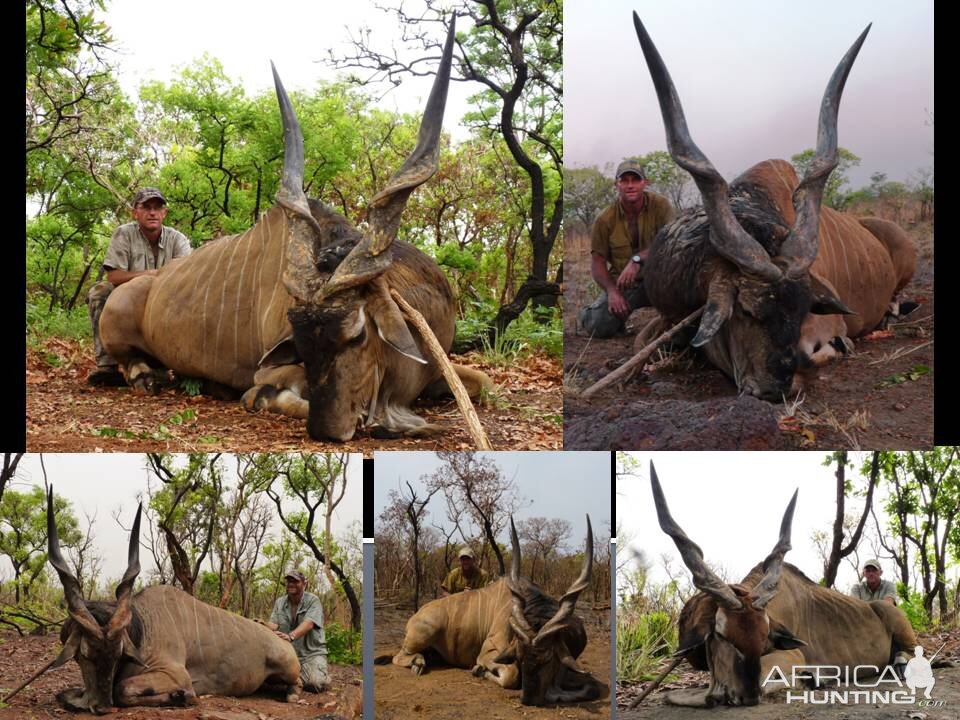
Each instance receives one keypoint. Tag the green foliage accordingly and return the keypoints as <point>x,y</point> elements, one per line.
<point>23,533</point>
<point>191,386</point>
<point>914,373</point>
<point>207,588</point>
<point>43,322</point>
<point>643,640</point>
<point>922,504</point>
<point>666,177</point>
<point>856,197</point>
<point>833,192</point>
<point>344,644</point>
<point>536,330</point>
<point>452,256</point>
<point>216,153</point>
<point>912,605</point>
<point>585,193</point>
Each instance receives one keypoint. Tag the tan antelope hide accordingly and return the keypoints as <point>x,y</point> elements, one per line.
<point>160,646</point>
<point>510,632</point>
<point>296,312</point>
<point>775,617</point>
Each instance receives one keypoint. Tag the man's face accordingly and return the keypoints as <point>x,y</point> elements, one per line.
<point>466,564</point>
<point>295,588</point>
<point>150,214</point>
<point>872,575</point>
<point>630,187</point>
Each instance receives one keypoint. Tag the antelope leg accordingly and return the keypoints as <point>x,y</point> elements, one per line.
<point>171,686</point>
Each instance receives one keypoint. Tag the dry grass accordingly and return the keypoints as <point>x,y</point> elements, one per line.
<point>795,417</point>
<point>899,353</point>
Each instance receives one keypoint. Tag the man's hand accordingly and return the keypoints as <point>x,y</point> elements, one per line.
<point>283,636</point>
<point>628,276</point>
<point>617,303</point>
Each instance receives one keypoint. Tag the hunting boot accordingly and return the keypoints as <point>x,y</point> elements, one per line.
<point>900,664</point>
<point>106,374</point>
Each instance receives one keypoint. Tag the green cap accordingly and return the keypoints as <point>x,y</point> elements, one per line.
<point>631,166</point>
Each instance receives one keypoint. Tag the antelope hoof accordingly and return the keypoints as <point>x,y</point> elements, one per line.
<point>259,397</point>
<point>418,666</point>
<point>147,382</point>
<point>70,699</point>
<point>478,671</point>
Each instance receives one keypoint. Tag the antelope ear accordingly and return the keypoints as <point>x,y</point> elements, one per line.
<point>130,651</point>
<point>781,638</point>
<point>391,327</point>
<point>283,353</point>
<point>509,655</point>
<point>690,647</point>
<point>825,299</point>
<point>716,312</point>
<point>568,660</point>
<point>69,650</point>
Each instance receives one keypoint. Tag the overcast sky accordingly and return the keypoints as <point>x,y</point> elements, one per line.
<point>750,75</point>
<point>731,505</point>
<point>245,36</point>
<point>563,485</point>
<point>102,483</point>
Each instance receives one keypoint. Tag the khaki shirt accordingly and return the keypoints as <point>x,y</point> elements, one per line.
<point>886,589</point>
<point>612,239</point>
<point>315,641</point>
<point>129,250</point>
<point>457,582</point>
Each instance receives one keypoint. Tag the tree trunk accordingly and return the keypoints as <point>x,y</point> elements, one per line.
<point>838,552</point>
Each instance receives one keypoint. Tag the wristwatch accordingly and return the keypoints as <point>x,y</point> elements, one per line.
<point>637,259</point>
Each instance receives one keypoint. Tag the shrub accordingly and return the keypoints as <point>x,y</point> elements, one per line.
<point>643,640</point>
<point>343,645</point>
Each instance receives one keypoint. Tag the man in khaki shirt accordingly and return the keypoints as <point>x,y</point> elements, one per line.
<point>138,248</point>
<point>619,244</point>
<point>873,587</point>
<point>466,577</point>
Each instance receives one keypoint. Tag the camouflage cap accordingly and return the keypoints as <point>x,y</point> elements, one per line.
<point>466,552</point>
<point>631,166</point>
<point>872,563</point>
<point>148,193</point>
<point>296,575</point>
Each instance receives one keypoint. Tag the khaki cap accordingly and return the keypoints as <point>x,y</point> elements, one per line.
<point>466,552</point>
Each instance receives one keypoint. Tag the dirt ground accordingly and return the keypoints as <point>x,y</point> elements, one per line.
<point>879,397</point>
<point>945,698</point>
<point>21,657</point>
<point>65,414</point>
<point>446,693</point>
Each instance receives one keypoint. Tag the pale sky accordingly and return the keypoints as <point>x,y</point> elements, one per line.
<point>731,505</point>
<point>563,485</point>
<point>245,36</point>
<point>102,483</point>
<point>751,75</point>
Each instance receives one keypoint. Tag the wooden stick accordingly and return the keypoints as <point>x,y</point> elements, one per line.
<point>639,699</point>
<point>641,357</point>
<point>22,685</point>
<point>446,367</point>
